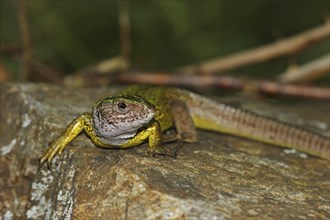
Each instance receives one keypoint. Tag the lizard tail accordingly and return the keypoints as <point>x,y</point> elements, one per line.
<point>210,115</point>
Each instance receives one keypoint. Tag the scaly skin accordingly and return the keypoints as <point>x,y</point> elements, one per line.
<point>143,113</point>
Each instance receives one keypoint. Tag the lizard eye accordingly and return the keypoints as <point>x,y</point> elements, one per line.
<point>122,105</point>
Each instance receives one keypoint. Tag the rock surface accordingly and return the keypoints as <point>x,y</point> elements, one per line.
<point>221,177</point>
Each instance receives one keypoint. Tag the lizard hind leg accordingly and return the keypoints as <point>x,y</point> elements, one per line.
<point>184,125</point>
<point>183,122</point>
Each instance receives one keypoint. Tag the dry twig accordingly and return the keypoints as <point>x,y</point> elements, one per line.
<point>27,48</point>
<point>113,64</point>
<point>124,30</point>
<point>256,55</point>
<point>45,71</point>
<point>207,81</point>
<point>307,72</point>
<point>275,88</point>
<point>226,82</point>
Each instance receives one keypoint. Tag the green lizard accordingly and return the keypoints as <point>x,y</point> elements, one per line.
<point>143,113</point>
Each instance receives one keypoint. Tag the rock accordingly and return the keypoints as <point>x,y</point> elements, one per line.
<point>221,177</point>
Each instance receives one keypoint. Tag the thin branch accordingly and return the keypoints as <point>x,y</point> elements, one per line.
<point>224,82</point>
<point>161,78</point>
<point>47,72</point>
<point>4,75</point>
<point>206,81</point>
<point>275,88</point>
<point>124,30</point>
<point>10,50</point>
<point>27,48</point>
<point>113,64</point>
<point>37,67</point>
<point>282,47</point>
<point>308,72</point>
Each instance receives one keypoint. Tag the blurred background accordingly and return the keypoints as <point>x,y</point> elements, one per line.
<point>68,36</point>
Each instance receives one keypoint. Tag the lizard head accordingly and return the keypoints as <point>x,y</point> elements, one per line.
<point>121,116</point>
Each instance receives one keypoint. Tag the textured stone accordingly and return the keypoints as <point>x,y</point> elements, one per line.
<point>220,177</point>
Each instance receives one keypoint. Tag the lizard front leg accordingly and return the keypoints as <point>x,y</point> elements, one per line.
<point>152,133</point>
<point>72,131</point>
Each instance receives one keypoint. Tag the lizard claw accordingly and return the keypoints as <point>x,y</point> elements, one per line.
<point>176,150</point>
<point>161,151</point>
<point>51,153</point>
